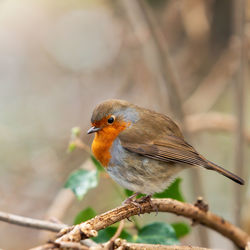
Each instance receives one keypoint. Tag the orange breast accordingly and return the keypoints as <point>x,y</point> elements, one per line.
<point>104,139</point>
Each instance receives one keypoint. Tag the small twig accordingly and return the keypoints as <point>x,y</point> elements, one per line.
<point>80,144</point>
<point>118,231</point>
<point>201,204</point>
<point>110,244</point>
<point>64,245</point>
<point>119,244</point>
<point>90,227</point>
<point>83,244</point>
<point>39,224</point>
<point>47,246</point>
<point>33,223</point>
<point>122,244</point>
<point>72,245</point>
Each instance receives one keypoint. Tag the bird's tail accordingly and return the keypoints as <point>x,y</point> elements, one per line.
<point>211,166</point>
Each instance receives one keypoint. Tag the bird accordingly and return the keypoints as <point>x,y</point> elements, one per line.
<point>141,149</point>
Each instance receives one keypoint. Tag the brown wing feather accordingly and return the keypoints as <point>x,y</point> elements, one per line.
<point>169,148</point>
<point>174,149</point>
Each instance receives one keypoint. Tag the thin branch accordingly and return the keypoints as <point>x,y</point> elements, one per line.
<point>122,244</point>
<point>118,231</point>
<point>216,81</point>
<point>155,53</point>
<point>60,204</point>
<point>166,66</point>
<point>214,121</point>
<point>28,222</point>
<point>62,245</point>
<point>111,243</point>
<point>80,144</point>
<point>39,224</point>
<point>90,227</point>
<point>239,30</point>
<point>119,244</point>
<point>47,246</point>
<point>72,245</point>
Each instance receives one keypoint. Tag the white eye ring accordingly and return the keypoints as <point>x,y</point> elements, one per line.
<point>111,119</point>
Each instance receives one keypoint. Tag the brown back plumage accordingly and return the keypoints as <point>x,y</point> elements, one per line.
<point>156,136</point>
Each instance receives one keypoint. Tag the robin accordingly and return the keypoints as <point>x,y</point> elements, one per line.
<point>142,149</point>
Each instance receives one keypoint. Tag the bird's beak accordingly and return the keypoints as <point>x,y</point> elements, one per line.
<point>93,130</point>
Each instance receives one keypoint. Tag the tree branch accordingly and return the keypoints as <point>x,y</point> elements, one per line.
<point>62,245</point>
<point>215,83</point>
<point>90,227</point>
<point>122,244</point>
<point>33,223</point>
<point>215,122</point>
<point>239,32</point>
<point>119,245</point>
<point>42,225</point>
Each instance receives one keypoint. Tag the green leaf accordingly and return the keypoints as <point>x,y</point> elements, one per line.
<point>105,235</point>
<point>71,147</point>
<point>181,229</point>
<point>97,164</point>
<point>128,192</point>
<point>84,215</point>
<point>80,181</point>
<point>173,191</point>
<point>157,233</point>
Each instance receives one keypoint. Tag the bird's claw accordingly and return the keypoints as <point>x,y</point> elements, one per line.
<point>137,202</point>
<point>131,200</point>
<point>148,199</point>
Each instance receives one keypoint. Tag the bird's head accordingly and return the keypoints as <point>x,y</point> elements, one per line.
<point>113,115</point>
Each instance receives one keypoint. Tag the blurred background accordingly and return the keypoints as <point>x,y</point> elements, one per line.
<point>58,59</point>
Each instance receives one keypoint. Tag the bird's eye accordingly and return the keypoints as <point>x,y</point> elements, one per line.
<point>111,119</point>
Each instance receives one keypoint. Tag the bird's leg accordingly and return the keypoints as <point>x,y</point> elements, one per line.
<point>131,199</point>
<point>136,202</point>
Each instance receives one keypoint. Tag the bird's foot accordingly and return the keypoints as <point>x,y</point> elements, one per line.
<point>132,200</point>
<point>137,202</point>
<point>147,198</point>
